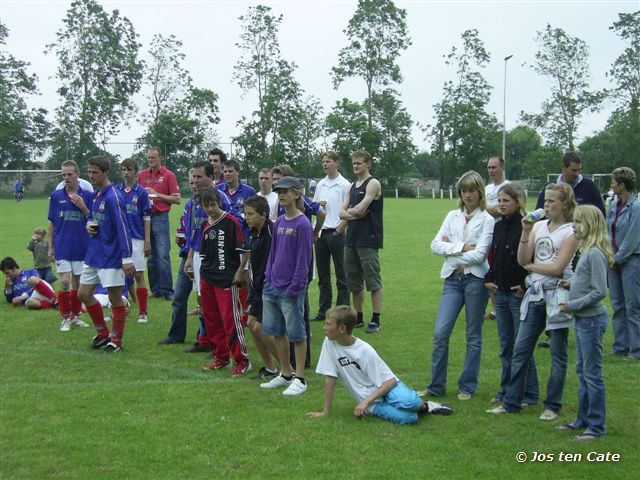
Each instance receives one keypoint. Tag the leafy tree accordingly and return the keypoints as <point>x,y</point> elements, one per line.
<point>377,34</point>
<point>464,134</point>
<point>22,130</point>
<point>99,71</point>
<point>424,164</point>
<point>346,127</point>
<point>564,60</point>
<point>526,156</point>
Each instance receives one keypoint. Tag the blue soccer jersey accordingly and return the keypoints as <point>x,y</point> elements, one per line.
<point>19,286</point>
<point>195,216</point>
<point>237,200</point>
<point>137,207</point>
<point>70,238</point>
<point>112,244</point>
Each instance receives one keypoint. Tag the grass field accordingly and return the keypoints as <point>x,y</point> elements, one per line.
<point>150,412</point>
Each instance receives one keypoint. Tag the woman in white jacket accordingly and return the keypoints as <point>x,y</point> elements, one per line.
<point>464,240</point>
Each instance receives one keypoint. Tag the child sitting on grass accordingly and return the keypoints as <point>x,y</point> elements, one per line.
<point>39,246</point>
<point>24,287</point>
<point>365,375</point>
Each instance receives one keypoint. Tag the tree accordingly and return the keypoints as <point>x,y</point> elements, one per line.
<point>22,130</point>
<point>377,34</point>
<point>346,127</point>
<point>464,134</point>
<point>563,59</point>
<point>99,71</point>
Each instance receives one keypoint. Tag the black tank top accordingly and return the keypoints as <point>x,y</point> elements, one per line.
<point>365,231</point>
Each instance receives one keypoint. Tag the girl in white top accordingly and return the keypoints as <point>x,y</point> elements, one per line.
<point>463,240</point>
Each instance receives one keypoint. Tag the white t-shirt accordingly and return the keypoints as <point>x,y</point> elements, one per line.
<point>272,198</point>
<point>548,245</point>
<point>491,192</point>
<point>333,191</point>
<point>358,366</point>
<point>84,185</point>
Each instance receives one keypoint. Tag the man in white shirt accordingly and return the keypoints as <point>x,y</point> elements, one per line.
<point>330,193</point>
<point>265,181</point>
<point>495,168</point>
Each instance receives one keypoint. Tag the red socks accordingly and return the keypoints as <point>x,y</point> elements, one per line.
<point>75,303</point>
<point>44,304</point>
<point>142,294</point>
<point>63,304</point>
<point>97,317</point>
<point>45,290</point>
<point>118,318</point>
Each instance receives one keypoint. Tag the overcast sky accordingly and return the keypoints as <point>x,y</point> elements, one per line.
<point>311,35</point>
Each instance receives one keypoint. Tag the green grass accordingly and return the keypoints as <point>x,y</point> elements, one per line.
<point>150,412</point>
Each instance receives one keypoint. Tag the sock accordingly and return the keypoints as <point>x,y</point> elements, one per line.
<point>118,317</point>
<point>74,303</point>
<point>375,318</point>
<point>304,382</point>
<point>97,317</point>
<point>142,294</point>
<point>360,317</point>
<point>288,379</point>
<point>44,289</point>
<point>63,304</point>
<point>44,304</point>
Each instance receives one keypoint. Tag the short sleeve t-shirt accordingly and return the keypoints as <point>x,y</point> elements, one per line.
<point>491,192</point>
<point>548,245</point>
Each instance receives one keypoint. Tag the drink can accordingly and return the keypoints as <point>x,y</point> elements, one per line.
<point>181,239</point>
<point>563,295</point>
<point>535,215</point>
<point>93,226</point>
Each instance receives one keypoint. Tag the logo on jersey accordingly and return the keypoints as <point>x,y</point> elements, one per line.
<point>134,200</point>
<point>544,249</point>
<point>101,207</point>
<point>345,362</point>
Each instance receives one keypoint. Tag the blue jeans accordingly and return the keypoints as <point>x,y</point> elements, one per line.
<point>283,314</point>
<point>508,323</point>
<point>592,394</point>
<point>530,329</point>
<point>159,264</point>
<point>624,287</point>
<point>459,290</point>
<point>399,405</point>
<point>184,285</point>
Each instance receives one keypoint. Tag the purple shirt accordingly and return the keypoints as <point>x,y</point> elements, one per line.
<point>290,254</point>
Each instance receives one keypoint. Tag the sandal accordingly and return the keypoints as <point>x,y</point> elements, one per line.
<point>586,436</point>
<point>567,426</point>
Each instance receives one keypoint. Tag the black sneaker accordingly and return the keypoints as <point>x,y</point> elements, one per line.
<point>318,318</point>
<point>359,325</point>
<point>264,373</point>
<point>112,348</point>
<point>197,348</point>
<point>168,341</point>
<point>98,342</point>
<point>373,327</point>
<point>437,408</point>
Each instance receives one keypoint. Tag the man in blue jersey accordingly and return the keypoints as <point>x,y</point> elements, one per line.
<point>138,210</point>
<point>24,287</point>
<point>68,211</point>
<point>18,190</point>
<point>237,191</point>
<point>217,158</point>
<point>108,258</point>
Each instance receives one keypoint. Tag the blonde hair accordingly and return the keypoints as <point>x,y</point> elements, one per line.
<point>472,180</point>
<point>516,192</point>
<point>567,198</point>
<point>593,232</point>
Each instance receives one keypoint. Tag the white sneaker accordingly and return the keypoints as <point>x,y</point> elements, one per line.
<point>548,415</point>
<point>76,322</point>
<point>142,318</point>
<point>296,388</point>
<point>497,410</point>
<point>65,325</point>
<point>276,382</point>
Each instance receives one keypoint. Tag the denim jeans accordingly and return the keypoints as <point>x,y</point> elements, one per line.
<point>624,287</point>
<point>592,394</point>
<point>508,323</point>
<point>159,264</point>
<point>327,247</point>
<point>184,285</point>
<point>459,290</point>
<point>400,405</point>
<point>530,329</point>
<point>283,314</point>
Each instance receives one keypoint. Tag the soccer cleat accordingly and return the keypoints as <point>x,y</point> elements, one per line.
<point>240,369</point>
<point>265,373</point>
<point>497,410</point>
<point>295,388</point>
<point>437,408</point>
<point>99,342</point>
<point>76,322</point>
<point>65,325</point>
<point>277,382</point>
<point>548,415</point>
<point>142,318</point>
<point>112,348</point>
<point>217,365</point>
<point>373,327</point>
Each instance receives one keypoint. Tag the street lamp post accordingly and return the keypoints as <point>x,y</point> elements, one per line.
<point>504,112</point>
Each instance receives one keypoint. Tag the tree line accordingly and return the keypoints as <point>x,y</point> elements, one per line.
<point>100,68</point>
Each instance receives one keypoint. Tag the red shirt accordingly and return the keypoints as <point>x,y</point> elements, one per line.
<point>163,181</point>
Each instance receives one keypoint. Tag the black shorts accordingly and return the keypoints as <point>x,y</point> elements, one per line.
<point>254,309</point>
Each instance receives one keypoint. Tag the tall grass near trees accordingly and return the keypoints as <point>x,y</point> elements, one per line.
<point>150,412</point>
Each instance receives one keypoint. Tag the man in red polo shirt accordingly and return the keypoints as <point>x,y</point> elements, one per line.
<point>162,187</point>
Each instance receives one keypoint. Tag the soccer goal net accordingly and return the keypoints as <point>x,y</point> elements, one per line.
<point>602,180</point>
<point>34,183</point>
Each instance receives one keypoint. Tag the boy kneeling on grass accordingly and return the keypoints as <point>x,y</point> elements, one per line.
<point>24,287</point>
<point>365,375</point>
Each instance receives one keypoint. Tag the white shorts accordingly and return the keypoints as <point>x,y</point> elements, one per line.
<point>38,296</point>
<point>197,261</point>
<point>108,277</point>
<point>103,299</point>
<point>66,266</point>
<point>139,260</point>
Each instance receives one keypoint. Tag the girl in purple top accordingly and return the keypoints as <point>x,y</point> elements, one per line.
<point>285,284</point>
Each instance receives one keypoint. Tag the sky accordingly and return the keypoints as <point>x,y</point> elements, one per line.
<point>311,35</point>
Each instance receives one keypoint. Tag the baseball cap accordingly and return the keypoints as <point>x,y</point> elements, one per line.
<point>288,182</point>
